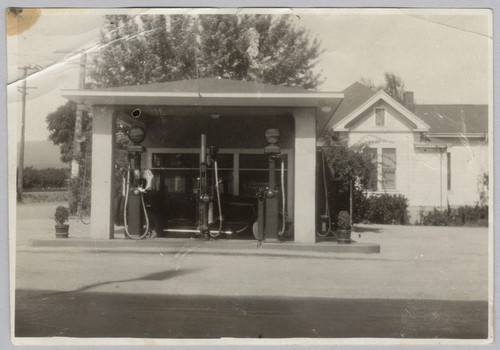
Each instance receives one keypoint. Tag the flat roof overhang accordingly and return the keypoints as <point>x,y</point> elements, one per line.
<point>311,99</point>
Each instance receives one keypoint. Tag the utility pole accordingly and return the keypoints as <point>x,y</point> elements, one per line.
<point>75,165</point>
<point>20,169</point>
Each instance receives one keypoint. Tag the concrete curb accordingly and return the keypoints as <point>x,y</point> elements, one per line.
<point>222,246</point>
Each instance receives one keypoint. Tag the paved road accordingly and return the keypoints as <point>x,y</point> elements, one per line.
<point>87,314</point>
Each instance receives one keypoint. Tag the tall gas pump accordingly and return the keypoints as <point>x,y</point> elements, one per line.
<point>204,197</point>
<point>137,182</point>
<point>268,222</point>
<point>208,191</point>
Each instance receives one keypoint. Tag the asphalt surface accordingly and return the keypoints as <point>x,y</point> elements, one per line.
<point>86,314</point>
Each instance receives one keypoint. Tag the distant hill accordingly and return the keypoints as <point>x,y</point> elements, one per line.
<point>42,154</point>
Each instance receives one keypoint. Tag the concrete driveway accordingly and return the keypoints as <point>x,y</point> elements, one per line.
<point>416,262</point>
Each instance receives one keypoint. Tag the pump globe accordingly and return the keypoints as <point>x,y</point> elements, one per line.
<point>136,134</point>
<point>272,135</point>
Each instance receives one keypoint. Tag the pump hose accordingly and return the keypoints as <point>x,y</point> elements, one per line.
<point>218,195</point>
<point>127,188</point>
<point>327,206</point>
<point>283,203</point>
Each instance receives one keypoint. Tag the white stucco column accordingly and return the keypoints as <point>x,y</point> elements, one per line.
<point>305,175</point>
<point>103,165</point>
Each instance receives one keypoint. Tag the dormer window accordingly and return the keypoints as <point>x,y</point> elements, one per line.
<point>379,116</point>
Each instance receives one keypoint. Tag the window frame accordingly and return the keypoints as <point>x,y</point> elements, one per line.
<point>373,186</point>
<point>448,171</point>
<point>386,169</point>
<point>383,117</point>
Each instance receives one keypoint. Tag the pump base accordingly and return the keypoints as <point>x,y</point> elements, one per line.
<point>273,240</point>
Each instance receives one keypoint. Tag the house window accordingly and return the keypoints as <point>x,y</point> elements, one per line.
<point>379,116</point>
<point>389,168</point>
<point>448,170</point>
<point>372,183</point>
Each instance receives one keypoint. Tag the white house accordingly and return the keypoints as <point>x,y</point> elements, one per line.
<point>435,155</point>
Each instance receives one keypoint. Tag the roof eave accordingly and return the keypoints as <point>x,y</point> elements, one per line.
<point>92,97</point>
<point>457,134</point>
<point>433,145</point>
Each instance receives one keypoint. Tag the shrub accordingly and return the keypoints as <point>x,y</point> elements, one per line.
<point>44,179</point>
<point>344,221</point>
<point>386,209</point>
<point>435,218</point>
<point>461,216</point>
<point>80,195</point>
<point>61,215</point>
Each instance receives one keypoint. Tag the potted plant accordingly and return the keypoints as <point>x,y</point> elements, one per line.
<point>344,227</point>
<point>61,216</point>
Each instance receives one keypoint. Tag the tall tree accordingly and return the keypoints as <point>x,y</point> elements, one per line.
<point>61,124</point>
<point>157,48</point>
<point>394,86</point>
<point>350,167</point>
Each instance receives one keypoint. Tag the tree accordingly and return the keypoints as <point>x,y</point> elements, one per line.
<point>393,85</point>
<point>158,48</point>
<point>61,125</point>
<point>348,166</point>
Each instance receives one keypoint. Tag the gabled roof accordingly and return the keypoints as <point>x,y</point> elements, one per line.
<point>439,118</point>
<point>210,85</point>
<point>361,105</point>
<point>354,96</point>
<point>448,119</point>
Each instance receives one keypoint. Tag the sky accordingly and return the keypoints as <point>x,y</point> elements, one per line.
<point>444,56</point>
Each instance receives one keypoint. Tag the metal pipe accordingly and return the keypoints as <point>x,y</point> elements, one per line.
<point>203,151</point>
<point>189,230</point>
<point>203,196</point>
<point>283,198</point>
<point>272,174</point>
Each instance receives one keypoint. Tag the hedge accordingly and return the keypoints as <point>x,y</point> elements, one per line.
<point>460,216</point>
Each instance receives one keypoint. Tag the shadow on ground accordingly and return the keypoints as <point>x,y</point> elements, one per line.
<point>91,314</point>
<point>157,276</point>
<point>366,229</point>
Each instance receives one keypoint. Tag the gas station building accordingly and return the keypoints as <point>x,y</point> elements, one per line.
<point>234,115</point>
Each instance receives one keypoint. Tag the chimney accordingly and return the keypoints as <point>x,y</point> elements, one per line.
<point>408,100</point>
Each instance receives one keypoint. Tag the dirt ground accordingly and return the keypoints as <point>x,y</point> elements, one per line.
<point>447,263</point>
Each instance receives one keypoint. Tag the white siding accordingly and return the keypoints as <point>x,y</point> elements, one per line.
<point>469,161</point>
<point>421,173</point>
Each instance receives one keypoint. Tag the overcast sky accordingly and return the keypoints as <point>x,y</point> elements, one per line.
<point>441,55</point>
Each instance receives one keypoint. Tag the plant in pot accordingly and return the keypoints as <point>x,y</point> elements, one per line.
<point>61,216</point>
<point>344,227</point>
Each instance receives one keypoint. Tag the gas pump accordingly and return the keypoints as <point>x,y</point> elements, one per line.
<point>137,182</point>
<point>203,195</point>
<point>269,197</point>
<point>207,192</point>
